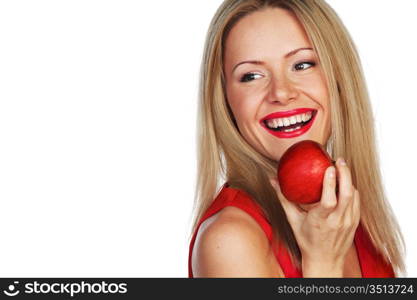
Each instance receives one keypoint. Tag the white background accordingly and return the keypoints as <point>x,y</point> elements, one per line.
<point>97,129</point>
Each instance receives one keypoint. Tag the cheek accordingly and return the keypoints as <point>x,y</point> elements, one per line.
<point>322,92</point>
<point>321,96</point>
<point>242,106</point>
<point>316,88</point>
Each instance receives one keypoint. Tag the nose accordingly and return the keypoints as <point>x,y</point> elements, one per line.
<point>282,90</point>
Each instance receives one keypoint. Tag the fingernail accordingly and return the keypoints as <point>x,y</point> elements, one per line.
<point>331,172</point>
<point>342,161</point>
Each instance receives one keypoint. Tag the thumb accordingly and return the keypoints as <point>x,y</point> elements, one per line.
<point>293,212</point>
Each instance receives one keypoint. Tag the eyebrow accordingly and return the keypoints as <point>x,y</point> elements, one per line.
<point>257,62</point>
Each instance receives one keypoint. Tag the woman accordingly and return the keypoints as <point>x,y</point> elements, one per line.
<point>276,72</point>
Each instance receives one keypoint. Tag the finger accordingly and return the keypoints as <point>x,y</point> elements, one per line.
<point>350,217</point>
<point>356,208</point>
<point>293,212</point>
<point>346,189</point>
<point>328,199</point>
<point>349,212</point>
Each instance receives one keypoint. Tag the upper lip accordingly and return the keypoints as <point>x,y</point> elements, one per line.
<point>288,113</point>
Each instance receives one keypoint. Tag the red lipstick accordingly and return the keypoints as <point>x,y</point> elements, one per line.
<point>282,134</point>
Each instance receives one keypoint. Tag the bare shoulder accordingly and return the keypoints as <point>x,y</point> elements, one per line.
<point>232,244</point>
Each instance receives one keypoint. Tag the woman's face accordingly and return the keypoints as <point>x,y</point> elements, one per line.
<point>274,84</point>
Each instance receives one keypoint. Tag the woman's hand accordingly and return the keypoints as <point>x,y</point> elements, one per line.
<point>325,232</point>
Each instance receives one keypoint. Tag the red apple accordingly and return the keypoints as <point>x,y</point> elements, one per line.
<point>301,171</point>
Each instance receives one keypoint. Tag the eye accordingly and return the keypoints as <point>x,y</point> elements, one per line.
<point>249,77</point>
<point>304,65</point>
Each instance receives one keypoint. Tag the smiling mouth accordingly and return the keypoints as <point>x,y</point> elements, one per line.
<point>289,124</point>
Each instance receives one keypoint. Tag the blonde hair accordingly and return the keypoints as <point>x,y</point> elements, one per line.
<point>223,154</point>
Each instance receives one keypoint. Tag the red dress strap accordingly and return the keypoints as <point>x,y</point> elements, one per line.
<point>371,263</point>
<point>234,197</point>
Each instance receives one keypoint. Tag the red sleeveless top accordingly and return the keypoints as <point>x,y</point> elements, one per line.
<point>371,262</point>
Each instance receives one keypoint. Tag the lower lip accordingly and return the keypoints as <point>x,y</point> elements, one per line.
<point>292,134</point>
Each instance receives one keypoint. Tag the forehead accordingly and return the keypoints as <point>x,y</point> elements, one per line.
<point>267,33</point>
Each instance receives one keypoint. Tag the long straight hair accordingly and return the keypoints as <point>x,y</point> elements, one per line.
<point>224,155</point>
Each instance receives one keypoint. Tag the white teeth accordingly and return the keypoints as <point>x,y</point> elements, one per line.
<point>306,116</point>
<point>292,129</point>
<point>280,122</point>
<point>286,122</point>
<point>303,117</point>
